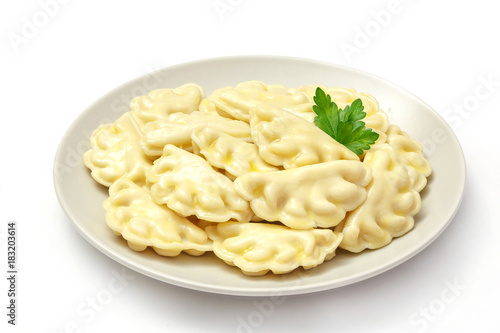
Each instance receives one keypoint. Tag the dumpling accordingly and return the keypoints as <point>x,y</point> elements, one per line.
<point>308,197</point>
<point>116,153</point>
<point>236,102</point>
<point>159,103</point>
<point>257,248</point>
<point>410,154</point>
<point>188,185</point>
<point>287,140</point>
<point>131,213</point>
<point>389,207</point>
<point>176,129</point>
<point>223,151</point>
<point>379,123</point>
<point>343,97</point>
<point>376,119</point>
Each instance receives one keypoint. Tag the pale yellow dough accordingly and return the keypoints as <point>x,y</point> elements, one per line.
<point>287,140</point>
<point>257,248</point>
<point>236,102</point>
<point>116,153</point>
<point>389,208</point>
<point>131,213</point>
<point>188,185</point>
<point>232,154</point>
<point>160,103</point>
<point>246,173</point>
<point>410,154</point>
<point>312,196</point>
<point>176,130</point>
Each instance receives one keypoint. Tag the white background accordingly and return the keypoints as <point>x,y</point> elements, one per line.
<point>59,57</point>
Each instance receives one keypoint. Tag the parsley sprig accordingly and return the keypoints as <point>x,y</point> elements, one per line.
<point>345,126</point>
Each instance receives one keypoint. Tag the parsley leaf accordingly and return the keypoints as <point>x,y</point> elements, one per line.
<point>345,126</point>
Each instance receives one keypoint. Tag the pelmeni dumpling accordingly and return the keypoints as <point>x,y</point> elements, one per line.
<point>410,154</point>
<point>379,123</point>
<point>389,207</point>
<point>131,213</point>
<point>176,130</point>
<point>188,185</point>
<point>116,153</point>
<point>308,197</point>
<point>257,248</point>
<point>236,102</point>
<point>343,97</point>
<point>287,140</point>
<point>159,103</point>
<point>223,151</point>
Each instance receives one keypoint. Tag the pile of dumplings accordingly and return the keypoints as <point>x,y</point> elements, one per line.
<point>245,173</point>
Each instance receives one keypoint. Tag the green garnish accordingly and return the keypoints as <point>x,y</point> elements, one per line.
<point>345,126</point>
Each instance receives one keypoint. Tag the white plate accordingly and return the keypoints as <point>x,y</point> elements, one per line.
<point>81,197</point>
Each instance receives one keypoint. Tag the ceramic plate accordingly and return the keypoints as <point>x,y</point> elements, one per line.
<point>81,197</point>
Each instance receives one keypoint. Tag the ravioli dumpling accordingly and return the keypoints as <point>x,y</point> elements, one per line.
<point>389,207</point>
<point>236,102</point>
<point>116,153</point>
<point>131,213</point>
<point>188,185</point>
<point>159,103</point>
<point>287,140</point>
<point>223,151</point>
<point>176,129</point>
<point>312,196</point>
<point>257,248</point>
<point>411,155</point>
